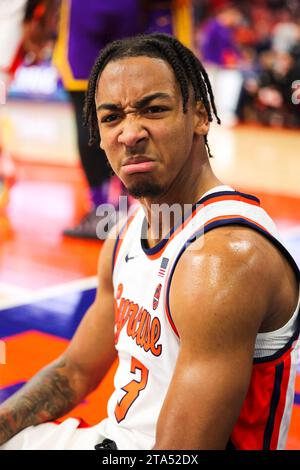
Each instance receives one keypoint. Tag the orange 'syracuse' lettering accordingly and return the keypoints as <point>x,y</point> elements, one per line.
<point>143,329</point>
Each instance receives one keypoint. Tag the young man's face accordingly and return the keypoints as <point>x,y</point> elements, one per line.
<point>145,134</point>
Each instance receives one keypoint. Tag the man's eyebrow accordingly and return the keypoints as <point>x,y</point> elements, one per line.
<point>138,105</point>
<point>147,99</point>
<point>108,107</point>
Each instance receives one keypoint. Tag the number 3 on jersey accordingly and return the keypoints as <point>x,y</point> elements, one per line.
<point>132,389</point>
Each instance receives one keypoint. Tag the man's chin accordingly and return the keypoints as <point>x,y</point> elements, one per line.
<point>145,189</point>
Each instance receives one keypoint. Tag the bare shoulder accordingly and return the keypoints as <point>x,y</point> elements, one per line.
<point>234,273</point>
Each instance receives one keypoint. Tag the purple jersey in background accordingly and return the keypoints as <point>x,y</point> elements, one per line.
<point>218,43</point>
<point>95,23</point>
<point>86,27</point>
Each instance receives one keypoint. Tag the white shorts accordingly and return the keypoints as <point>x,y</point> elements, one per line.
<point>52,436</point>
<point>69,436</point>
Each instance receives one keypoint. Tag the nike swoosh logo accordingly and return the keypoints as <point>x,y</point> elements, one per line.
<point>128,258</point>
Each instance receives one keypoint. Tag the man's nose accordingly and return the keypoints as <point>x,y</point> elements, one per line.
<point>132,133</point>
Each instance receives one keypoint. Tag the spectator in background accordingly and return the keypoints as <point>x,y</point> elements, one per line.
<point>261,22</point>
<point>261,76</point>
<point>221,54</point>
<point>263,40</point>
<point>267,97</point>
<point>285,33</point>
<point>266,94</point>
<point>219,46</point>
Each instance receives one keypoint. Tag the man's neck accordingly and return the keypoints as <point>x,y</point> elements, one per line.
<point>168,210</point>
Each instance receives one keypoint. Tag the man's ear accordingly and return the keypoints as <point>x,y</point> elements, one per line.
<point>201,122</point>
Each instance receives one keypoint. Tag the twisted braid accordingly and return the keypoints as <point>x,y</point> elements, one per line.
<point>197,75</point>
<point>89,110</point>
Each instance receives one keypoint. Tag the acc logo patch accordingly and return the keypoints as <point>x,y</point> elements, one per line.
<point>156,296</point>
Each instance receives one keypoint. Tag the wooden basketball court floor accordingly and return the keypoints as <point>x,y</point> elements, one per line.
<point>47,281</point>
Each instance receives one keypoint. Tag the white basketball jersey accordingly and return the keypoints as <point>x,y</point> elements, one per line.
<point>147,340</point>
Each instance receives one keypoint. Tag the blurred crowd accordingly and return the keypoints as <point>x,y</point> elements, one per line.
<point>261,40</point>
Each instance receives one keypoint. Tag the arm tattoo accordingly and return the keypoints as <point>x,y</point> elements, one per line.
<point>47,396</point>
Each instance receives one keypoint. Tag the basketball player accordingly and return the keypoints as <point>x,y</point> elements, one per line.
<point>206,316</point>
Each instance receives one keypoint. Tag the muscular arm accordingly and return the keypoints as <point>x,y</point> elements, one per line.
<point>220,296</point>
<point>49,395</point>
<point>60,386</point>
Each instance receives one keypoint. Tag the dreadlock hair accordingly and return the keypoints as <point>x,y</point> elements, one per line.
<point>186,66</point>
